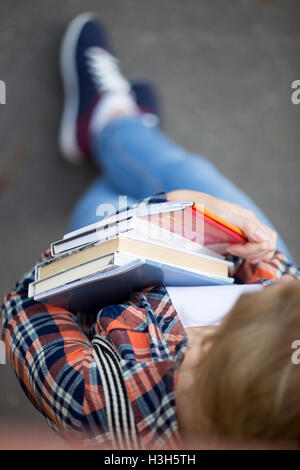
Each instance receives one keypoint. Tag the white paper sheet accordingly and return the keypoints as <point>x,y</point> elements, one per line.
<point>206,305</point>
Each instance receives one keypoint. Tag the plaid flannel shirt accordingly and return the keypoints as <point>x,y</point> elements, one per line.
<point>51,351</point>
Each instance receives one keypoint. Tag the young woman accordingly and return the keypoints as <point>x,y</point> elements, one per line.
<point>136,377</point>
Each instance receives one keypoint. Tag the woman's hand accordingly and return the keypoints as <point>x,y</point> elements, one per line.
<point>262,240</point>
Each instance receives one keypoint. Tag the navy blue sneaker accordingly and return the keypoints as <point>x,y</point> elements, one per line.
<point>89,70</point>
<point>147,99</point>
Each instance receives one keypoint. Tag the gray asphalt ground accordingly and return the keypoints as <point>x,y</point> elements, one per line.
<point>224,70</point>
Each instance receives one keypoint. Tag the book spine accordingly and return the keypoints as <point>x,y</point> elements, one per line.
<point>63,246</point>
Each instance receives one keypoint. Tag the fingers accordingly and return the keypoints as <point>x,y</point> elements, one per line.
<point>252,251</point>
<point>255,230</point>
<point>272,236</point>
<point>255,251</point>
<point>262,239</point>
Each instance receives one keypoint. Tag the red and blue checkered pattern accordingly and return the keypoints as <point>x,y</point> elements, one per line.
<point>52,355</point>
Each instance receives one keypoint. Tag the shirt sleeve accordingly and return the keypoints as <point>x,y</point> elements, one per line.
<point>244,272</point>
<point>54,363</point>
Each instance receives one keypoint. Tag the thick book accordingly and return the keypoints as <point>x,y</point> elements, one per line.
<point>115,223</point>
<point>140,211</point>
<point>117,278</point>
<point>189,222</point>
<point>136,228</point>
<point>200,226</point>
<point>155,251</point>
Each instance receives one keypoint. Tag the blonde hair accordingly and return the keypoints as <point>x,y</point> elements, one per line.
<point>249,387</point>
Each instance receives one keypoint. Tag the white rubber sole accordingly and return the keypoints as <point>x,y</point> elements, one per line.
<point>67,139</point>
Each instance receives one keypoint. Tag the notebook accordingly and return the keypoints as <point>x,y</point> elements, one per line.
<point>118,276</point>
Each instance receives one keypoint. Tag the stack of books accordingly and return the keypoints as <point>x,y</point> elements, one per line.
<point>175,243</point>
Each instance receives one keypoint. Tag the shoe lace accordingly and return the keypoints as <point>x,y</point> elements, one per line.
<point>105,71</point>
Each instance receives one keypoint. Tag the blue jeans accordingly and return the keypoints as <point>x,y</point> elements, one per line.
<point>139,161</point>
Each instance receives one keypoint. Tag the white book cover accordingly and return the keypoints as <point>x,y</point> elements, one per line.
<point>141,211</point>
